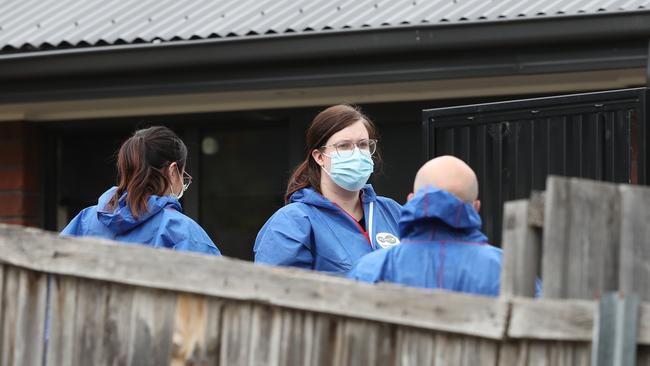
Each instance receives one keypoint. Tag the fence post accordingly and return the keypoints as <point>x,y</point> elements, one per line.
<point>615,330</point>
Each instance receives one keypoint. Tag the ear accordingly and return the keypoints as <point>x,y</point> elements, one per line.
<point>410,196</point>
<point>172,169</point>
<point>477,205</point>
<point>318,157</point>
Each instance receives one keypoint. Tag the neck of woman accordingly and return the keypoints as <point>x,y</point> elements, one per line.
<point>347,200</point>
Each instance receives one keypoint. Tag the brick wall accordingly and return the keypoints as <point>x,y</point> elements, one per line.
<point>19,174</point>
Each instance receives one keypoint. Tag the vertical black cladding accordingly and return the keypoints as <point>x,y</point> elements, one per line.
<point>514,145</point>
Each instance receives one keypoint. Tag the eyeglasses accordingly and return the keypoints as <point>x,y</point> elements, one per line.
<point>187,180</point>
<point>345,148</point>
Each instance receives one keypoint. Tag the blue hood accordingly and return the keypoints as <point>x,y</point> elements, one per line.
<point>120,219</point>
<point>311,197</point>
<point>435,208</point>
<point>442,247</point>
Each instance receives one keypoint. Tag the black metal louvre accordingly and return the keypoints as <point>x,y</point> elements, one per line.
<point>512,146</point>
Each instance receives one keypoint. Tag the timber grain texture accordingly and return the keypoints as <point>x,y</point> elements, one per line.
<point>238,280</point>
<point>113,304</point>
<point>596,239</point>
<point>580,238</point>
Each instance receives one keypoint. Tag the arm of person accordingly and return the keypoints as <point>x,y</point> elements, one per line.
<point>285,240</point>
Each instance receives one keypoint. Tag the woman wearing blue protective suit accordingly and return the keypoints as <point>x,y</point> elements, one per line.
<point>144,207</point>
<point>331,217</point>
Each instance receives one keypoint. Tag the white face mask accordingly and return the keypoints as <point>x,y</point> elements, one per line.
<point>178,197</point>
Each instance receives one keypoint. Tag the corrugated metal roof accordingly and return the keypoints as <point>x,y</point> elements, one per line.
<point>45,24</point>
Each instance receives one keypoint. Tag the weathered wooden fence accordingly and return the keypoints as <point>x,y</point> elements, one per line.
<point>116,304</point>
<point>592,237</point>
<point>585,238</point>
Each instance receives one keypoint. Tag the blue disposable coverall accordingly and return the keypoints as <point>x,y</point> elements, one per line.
<point>441,247</point>
<point>314,233</point>
<point>162,226</point>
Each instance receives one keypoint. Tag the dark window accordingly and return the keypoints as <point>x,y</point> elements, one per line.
<point>243,179</point>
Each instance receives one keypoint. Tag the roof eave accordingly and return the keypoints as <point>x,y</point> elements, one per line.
<point>265,49</point>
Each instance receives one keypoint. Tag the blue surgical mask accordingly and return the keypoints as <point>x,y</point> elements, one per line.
<point>350,173</point>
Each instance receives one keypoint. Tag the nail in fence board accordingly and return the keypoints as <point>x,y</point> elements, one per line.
<point>580,238</point>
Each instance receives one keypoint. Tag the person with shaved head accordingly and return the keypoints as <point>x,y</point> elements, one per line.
<point>442,245</point>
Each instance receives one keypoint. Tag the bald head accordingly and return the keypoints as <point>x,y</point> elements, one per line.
<point>449,174</point>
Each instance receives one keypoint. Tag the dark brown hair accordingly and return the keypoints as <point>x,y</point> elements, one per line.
<point>324,125</point>
<point>141,164</point>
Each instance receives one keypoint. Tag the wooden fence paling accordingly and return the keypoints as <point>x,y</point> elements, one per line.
<point>521,245</point>
<point>643,335</point>
<point>152,319</point>
<point>190,320</point>
<point>2,313</point>
<point>412,345</point>
<point>63,304</point>
<point>23,317</point>
<point>614,341</point>
<point>595,237</point>
<point>595,241</point>
<point>634,270</point>
<point>581,229</point>
<point>8,325</point>
<point>89,322</point>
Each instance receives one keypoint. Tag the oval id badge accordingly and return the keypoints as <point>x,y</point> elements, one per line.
<point>386,240</point>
